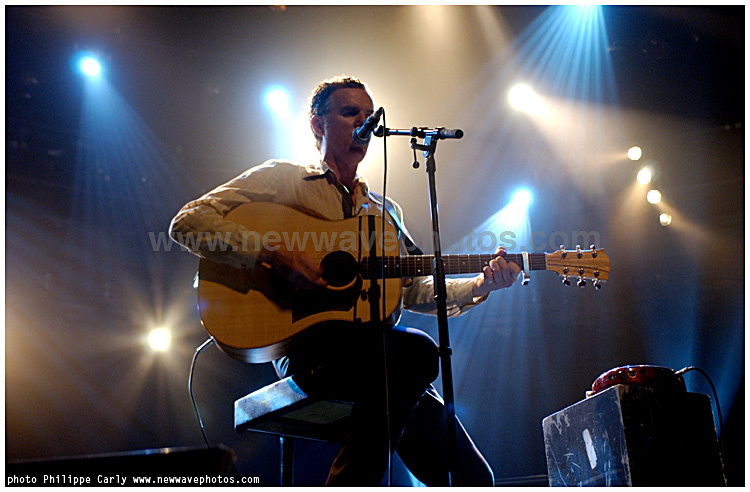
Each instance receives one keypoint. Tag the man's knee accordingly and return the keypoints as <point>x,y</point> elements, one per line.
<point>414,352</point>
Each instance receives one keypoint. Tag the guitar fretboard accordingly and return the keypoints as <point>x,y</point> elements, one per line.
<point>416,266</point>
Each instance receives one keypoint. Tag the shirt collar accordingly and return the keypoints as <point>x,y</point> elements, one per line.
<point>319,168</point>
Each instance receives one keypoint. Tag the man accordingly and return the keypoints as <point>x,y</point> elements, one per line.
<point>341,362</point>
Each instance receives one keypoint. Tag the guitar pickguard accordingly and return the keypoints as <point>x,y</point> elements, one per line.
<point>306,303</point>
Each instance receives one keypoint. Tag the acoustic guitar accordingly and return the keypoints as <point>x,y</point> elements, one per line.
<point>256,315</point>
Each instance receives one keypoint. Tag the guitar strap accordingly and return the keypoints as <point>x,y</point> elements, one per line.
<point>411,248</point>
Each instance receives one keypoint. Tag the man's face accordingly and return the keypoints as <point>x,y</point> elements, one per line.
<point>349,108</point>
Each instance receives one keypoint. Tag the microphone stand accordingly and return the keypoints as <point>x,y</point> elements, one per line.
<point>428,147</point>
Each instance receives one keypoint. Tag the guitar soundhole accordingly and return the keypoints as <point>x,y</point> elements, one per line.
<point>339,268</point>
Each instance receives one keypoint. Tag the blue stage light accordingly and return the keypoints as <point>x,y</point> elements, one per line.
<point>509,227</point>
<point>277,100</point>
<point>522,199</point>
<point>90,66</point>
<point>87,63</point>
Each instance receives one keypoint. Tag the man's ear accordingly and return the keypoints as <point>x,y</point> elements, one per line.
<point>316,123</point>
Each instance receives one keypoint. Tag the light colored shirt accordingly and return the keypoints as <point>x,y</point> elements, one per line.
<point>315,190</point>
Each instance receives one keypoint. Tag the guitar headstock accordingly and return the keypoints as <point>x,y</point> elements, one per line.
<point>590,264</point>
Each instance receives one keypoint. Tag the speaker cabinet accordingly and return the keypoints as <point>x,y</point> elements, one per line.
<point>634,436</point>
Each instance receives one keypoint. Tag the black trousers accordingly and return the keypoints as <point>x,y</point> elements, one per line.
<point>347,364</point>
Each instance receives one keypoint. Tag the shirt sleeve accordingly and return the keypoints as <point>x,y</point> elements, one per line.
<point>419,295</point>
<point>200,226</point>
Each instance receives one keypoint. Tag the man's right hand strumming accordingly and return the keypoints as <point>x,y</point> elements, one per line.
<point>298,267</point>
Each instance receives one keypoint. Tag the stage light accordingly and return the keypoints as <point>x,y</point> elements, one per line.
<point>634,153</point>
<point>665,219</point>
<point>159,339</point>
<point>564,62</point>
<point>87,63</point>
<point>90,66</point>
<point>644,176</point>
<point>277,100</point>
<point>585,10</point>
<point>653,196</point>
<point>521,199</point>
<point>518,207</point>
<point>290,136</point>
<point>523,98</point>
<point>510,227</point>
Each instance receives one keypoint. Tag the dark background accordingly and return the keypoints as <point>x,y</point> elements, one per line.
<point>89,175</point>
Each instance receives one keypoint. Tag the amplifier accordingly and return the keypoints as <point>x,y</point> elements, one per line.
<point>633,436</point>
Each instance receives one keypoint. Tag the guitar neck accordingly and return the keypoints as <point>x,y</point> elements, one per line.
<point>416,266</point>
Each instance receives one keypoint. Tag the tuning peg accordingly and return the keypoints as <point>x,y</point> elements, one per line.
<point>565,281</point>
<point>578,251</point>
<point>593,251</point>
<point>581,282</point>
<point>562,250</point>
<point>597,284</point>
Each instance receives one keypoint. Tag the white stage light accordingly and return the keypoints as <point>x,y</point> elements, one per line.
<point>159,339</point>
<point>644,176</point>
<point>523,98</point>
<point>653,196</point>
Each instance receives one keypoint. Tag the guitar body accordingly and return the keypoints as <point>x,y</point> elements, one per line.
<point>257,316</point>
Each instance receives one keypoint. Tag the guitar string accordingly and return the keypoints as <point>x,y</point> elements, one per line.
<point>537,259</point>
<point>457,264</point>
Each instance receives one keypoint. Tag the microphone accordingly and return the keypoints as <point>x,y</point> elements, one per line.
<point>450,133</point>
<point>363,134</point>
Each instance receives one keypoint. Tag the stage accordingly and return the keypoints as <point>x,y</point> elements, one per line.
<point>183,99</point>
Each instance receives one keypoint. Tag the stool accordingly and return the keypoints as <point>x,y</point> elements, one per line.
<point>283,409</point>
